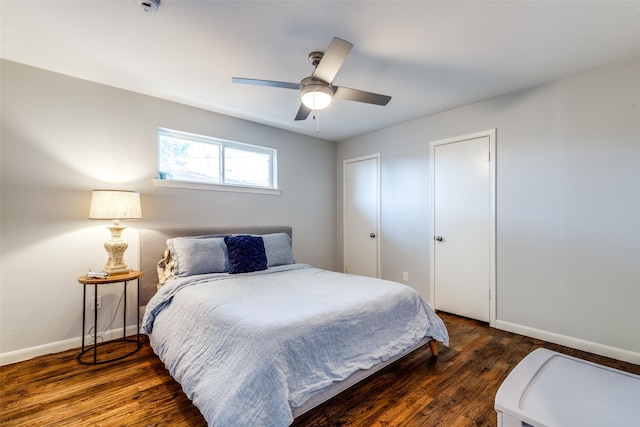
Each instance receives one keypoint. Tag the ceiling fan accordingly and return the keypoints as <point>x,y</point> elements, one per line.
<point>317,90</point>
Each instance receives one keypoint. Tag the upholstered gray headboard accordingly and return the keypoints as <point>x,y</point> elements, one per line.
<point>154,242</point>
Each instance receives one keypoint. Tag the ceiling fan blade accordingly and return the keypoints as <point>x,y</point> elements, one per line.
<point>271,83</point>
<point>332,60</point>
<point>303,112</point>
<point>360,96</point>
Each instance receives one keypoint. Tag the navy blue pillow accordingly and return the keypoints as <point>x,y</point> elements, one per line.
<point>246,253</point>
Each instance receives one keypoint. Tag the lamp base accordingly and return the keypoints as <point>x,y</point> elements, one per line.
<point>116,248</point>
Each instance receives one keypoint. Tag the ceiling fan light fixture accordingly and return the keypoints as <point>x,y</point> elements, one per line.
<point>315,95</point>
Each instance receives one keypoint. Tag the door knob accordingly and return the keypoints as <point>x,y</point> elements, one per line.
<point>439,238</point>
<point>372,235</point>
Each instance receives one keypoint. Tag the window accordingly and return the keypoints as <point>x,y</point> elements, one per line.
<point>190,158</point>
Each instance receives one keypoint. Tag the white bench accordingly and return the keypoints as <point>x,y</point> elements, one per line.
<point>552,389</point>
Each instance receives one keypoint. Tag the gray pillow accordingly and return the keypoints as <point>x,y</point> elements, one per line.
<point>198,255</point>
<point>277,246</point>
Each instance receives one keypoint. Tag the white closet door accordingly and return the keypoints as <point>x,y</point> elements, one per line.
<point>361,216</point>
<point>462,216</point>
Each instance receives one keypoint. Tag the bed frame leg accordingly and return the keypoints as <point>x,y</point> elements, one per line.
<point>433,345</point>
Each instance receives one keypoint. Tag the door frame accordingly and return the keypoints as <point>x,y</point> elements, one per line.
<point>491,133</point>
<point>344,207</point>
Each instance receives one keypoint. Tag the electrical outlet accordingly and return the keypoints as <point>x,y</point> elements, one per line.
<point>405,276</point>
<point>93,303</point>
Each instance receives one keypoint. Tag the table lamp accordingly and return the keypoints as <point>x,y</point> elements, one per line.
<point>115,205</point>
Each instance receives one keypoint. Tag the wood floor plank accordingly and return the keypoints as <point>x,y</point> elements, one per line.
<point>455,389</point>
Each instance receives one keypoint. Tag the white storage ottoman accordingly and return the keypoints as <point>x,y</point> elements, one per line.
<point>552,389</point>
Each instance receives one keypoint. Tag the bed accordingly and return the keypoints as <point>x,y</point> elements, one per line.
<point>255,338</point>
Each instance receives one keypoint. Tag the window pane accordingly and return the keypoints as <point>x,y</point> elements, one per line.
<point>186,160</point>
<point>247,167</point>
<point>185,156</point>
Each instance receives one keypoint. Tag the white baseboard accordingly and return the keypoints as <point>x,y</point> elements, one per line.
<point>591,347</point>
<point>577,343</point>
<point>59,346</point>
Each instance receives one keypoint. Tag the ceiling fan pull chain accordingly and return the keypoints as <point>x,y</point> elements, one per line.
<point>317,116</point>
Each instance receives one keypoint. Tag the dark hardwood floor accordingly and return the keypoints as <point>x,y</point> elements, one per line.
<point>455,389</point>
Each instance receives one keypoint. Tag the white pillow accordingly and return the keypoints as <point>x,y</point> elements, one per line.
<point>198,255</point>
<point>277,246</point>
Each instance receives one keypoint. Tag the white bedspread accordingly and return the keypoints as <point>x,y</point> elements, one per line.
<point>247,348</point>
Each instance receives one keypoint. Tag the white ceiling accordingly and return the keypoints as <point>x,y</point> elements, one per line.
<point>430,56</point>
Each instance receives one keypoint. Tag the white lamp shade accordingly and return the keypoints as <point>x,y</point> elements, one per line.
<point>115,204</point>
<point>314,95</point>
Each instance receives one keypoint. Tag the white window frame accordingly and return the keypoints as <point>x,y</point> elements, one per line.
<point>222,186</point>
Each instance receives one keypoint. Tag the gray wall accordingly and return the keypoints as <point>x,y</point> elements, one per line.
<point>568,205</point>
<point>568,191</point>
<point>63,137</point>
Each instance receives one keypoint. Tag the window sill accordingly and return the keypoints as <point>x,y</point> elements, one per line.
<point>170,183</point>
